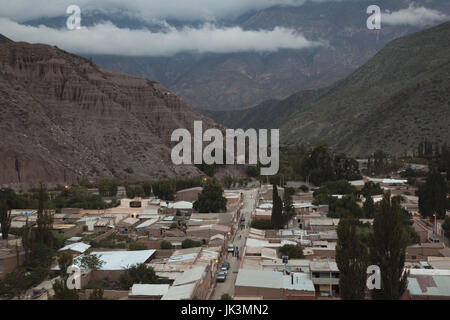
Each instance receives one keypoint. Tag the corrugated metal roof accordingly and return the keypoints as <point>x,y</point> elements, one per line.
<point>147,223</point>
<point>77,247</point>
<point>429,285</point>
<point>179,292</point>
<point>190,276</point>
<point>119,260</point>
<point>181,205</point>
<point>274,279</point>
<point>259,278</point>
<point>148,290</point>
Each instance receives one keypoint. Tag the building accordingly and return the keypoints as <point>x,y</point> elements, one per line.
<point>426,284</point>
<point>115,264</point>
<point>190,194</point>
<point>148,291</point>
<point>325,276</point>
<point>273,285</point>
<point>76,248</point>
<point>266,192</point>
<point>419,252</point>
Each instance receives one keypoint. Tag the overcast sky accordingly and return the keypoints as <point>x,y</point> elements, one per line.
<point>106,38</point>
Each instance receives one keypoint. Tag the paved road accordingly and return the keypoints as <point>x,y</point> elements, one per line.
<point>250,197</point>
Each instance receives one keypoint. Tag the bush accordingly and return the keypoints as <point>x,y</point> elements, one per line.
<point>304,188</point>
<point>189,243</point>
<point>128,170</point>
<point>293,251</point>
<point>261,224</point>
<point>226,296</point>
<point>134,246</point>
<point>166,245</point>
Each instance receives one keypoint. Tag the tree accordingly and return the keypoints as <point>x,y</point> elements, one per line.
<point>189,243</point>
<point>134,246</point>
<point>369,208</point>
<point>293,251</point>
<point>277,209</point>
<point>252,171</point>
<point>108,188</point>
<point>387,249</point>
<point>211,198</point>
<point>139,273</point>
<point>65,260</point>
<point>433,195</point>
<point>226,296</point>
<point>97,292</point>
<point>89,261</point>
<point>288,208</point>
<point>346,206</point>
<point>318,165</point>
<point>166,245</point>
<point>446,227</point>
<point>62,292</point>
<point>44,219</point>
<point>370,189</point>
<point>227,181</point>
<point>5,219</point>
<point>261,224</point>
<point>352,259</point>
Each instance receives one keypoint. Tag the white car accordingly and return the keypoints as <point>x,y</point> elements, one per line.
<point>231,248</point>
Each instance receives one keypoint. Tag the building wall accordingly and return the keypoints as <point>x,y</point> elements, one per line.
<point>188,195</point>
<point>421,253</point>
<point>266,293</point>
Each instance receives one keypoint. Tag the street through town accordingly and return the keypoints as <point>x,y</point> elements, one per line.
<point>238,239</point>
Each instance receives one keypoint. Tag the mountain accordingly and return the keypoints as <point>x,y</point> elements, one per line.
<point>244,79</point>
<point>4,39</point>
<point>397,99</point>
<point>240,80</point>
<point>64,118</point>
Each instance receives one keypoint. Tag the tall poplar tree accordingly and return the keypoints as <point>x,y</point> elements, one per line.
<point>433,195</point>
<point>5,219</point>
<point>387,249</point>
<point>277,209</point>
<point>352,259</point>
<point>369,208</point>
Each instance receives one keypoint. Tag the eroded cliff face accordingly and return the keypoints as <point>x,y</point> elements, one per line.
<point>63,118</point>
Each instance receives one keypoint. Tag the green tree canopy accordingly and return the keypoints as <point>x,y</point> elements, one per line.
<point>433,195</point>
<point>211,198</point>
<point>387,249</point>
<point>352,258</point>
<point>293,251</point>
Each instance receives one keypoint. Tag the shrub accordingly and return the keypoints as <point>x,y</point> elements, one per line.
<point>293,251</point>
<point>137,246</point>
<point>262,224</point>
<point>166,245</point>
<point>189,243</point>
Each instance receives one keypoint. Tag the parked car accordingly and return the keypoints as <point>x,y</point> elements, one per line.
<point>231,248</point>
<point>224,270</point>
<point>242,219</point>
<point>226,265</point>
<point>221,277</point>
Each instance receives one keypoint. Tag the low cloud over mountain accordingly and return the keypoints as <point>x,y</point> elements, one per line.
<point>106,38</point>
